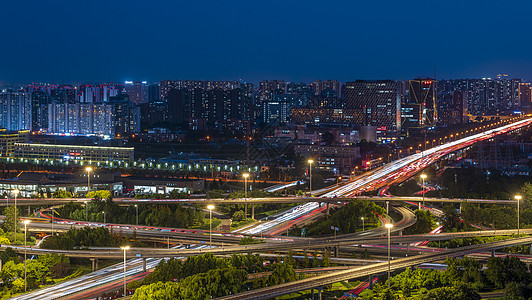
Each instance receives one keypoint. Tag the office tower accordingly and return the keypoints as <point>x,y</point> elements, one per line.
<point>137,91</point>
<point>15,110</point>
<point>276,112</point>
<point>422,96</point>
<point>378,100</point>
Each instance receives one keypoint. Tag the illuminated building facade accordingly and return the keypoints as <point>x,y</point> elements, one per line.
<point>15,110</point>
<point>81,119</point>
<point>73,152</point>
<point>378,100</point>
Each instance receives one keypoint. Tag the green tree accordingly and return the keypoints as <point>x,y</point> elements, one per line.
<point>62,194</point>
<point>514,291</point>
<point>157,291</point>
<point>239,215</point>
<point>100,195</point>
<point>9,221</point>
<point>282,272</point>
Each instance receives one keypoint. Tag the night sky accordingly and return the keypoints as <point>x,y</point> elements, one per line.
<point>97,41</point>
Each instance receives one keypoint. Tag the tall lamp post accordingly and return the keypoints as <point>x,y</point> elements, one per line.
<point>16,223</point>
<point>103,212</point>
<point>362,218</point>
<point>518,198</point>
<point>389,226</point>
<point>246,175</point>
<point>26,222</point>
<point>310,161</point>
<point>137,208</point>
<point>125,248</point>
<point>423,177</point>
<point>210,207</point>
<point>88,169</point>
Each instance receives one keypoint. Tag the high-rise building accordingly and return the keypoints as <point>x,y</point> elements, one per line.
<point>525,95</point>
<point>327,87</point>
<point>137,91</point>
<point>39,110</point>
<point>380,102</point>
<point>154,92</point>
<point>126,117</point>
<point>276,112</point>
<point>15,110</point>
<point>81,119</point>
<point>486,95</point>
<point>422,93</point>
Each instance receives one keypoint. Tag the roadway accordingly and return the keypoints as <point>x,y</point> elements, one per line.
<point>218,201</point>
<point>296,244</point>
<point>336,276</point>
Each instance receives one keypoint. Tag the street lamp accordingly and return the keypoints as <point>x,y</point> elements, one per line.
<point>103,212</point>
<point>125,248</point>
<point>518,198</point>
<point>362,223</point>
<point>88,169</point>
<point>389,226</point>
<point>210,207</point>
<point>423,177</point>
<point>16,193</point>
<point>246,175</point>
<point>338,181</point>
<point>26,222</point>
<point>310,161</point>
<point>137,208</point>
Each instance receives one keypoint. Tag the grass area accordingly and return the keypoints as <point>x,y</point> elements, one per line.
<point>275,211</point>
<point>206,226</point>
<point>238,224</point>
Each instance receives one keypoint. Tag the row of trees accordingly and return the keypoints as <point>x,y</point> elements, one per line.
<point>84,237</point>
<point>462,280</point>
<point>206,276</point>
<point>42,270</point>
<point>348,218</point>
<point>168,215</point>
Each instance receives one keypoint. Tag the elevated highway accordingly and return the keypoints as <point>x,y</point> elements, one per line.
<point>336,276</point>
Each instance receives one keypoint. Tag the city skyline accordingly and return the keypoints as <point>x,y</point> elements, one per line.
<point>292,41</point>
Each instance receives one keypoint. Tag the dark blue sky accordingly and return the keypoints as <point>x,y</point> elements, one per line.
<point>74,41</point>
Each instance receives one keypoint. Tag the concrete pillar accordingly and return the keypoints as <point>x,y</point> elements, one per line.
<point>312,294</point>
<point>370,282</point>
<point>460,211</point>
<point>253,211</point>
<point>529,250</point>
<point>328,204</point>
<point>319,292</point>
<point>336,251</point>
<point>144,264</point>
<point>492,253</point>
<point>94,262</point>
<point>408,248</point>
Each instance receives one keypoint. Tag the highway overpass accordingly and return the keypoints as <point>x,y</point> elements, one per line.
<point>357,272</point>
